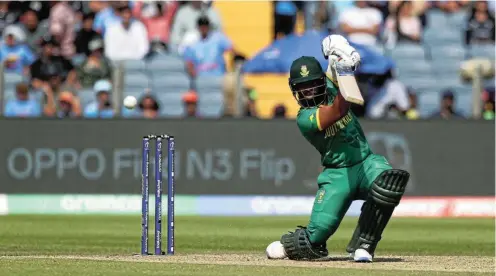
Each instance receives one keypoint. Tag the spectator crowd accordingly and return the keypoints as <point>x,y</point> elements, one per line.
<point>65,48</point>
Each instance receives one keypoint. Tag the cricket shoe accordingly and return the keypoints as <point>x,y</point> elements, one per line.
<point>361,256</point>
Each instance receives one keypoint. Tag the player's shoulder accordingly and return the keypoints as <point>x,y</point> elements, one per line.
<point>305,114</point>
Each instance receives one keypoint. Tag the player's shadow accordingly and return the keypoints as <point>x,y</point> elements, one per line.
<point>344,259</point>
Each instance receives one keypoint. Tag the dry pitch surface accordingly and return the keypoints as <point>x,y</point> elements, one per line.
<point>408,263</point>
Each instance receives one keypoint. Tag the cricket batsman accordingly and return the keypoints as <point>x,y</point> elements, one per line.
<point>351,170</point>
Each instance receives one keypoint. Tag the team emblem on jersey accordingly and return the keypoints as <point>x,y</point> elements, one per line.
<point>311,118</point>
<point>304,71</point>
<point>321,195</point>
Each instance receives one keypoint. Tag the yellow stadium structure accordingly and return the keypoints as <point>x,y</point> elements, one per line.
<point>272,90</point>
<point>249,24</point>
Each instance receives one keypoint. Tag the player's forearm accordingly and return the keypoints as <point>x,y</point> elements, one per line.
<point>328,115</point>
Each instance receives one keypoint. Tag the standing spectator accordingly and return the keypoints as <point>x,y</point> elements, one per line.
<point>447,110</point>
<point>157,18</point>
<point>85,35</point>
<point>391,95</point>
<point>149,107</point>
<point>8,16</point>
<point>284,18</point>
<point>126,40</point>
<point>480,25</point>
<point>102,107</point>
<point>361,23</point>
<point>206,57</point>
<point>403,26</point>
<point>186,20</point>
<point>62,20</point>
<point>107,16</point>
<point>190,101</point>
<point>22,105</point>
<point>68,105</point>
<point>95,66</point>
<point>15,55</point>
<point>34,30</point>
<point>51,69</point>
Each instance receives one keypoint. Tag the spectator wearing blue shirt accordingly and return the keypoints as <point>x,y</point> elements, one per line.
<point>22,105</point>
<point>15,55</point>
<point>206,57</point>
<point>102,107</point>
<point>106,16</point>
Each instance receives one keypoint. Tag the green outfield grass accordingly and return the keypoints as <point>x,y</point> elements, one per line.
<point>104,245</point>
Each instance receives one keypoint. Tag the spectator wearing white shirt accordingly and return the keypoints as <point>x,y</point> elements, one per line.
<point>126,40</point>
<point>361,23</point>
<point>404,25</point>
<point>391,92</point>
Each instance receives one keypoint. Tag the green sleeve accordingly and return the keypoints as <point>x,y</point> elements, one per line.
<point>308,120</point>
<point>332,89</point>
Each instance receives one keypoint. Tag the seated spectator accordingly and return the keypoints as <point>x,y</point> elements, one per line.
<point>157,18</point>
<point>488,101</point>
<point>206,57</point>
<point>403,25</point>
<point>284,18</point>
<point>361,23</point>
<point>95,66</point>
<point>447,110</point>
<point>419,8</point>
<point>51,69</point>
<point>22,105</point>
<point>126,40</point>
<point>149,107</point>
<point>68,105</point>
<point>186,20</point>
<point>8,16</point>
<point>102,106</point>
<point>62,20</point>
<point>85,35</point>
<point>412,113</point>
<point>389,91</point>
<point>480,25</point>
<point>251,102</point>
<point>41,8</point>
<point>34,30</point>
<point>448,6</point>
<point>190,101</point>
<point>106,16</point>
<point>15,55</point>
<point>279,112</point>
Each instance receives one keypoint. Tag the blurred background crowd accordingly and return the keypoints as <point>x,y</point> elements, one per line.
<point>208,59</point>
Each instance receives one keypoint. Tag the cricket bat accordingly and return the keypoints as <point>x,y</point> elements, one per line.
<point>347,84</point>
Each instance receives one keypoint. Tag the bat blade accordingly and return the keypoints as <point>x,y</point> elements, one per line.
<point>348,85</point>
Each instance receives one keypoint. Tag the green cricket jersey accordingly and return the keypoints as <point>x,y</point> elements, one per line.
<point>341,145</point>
